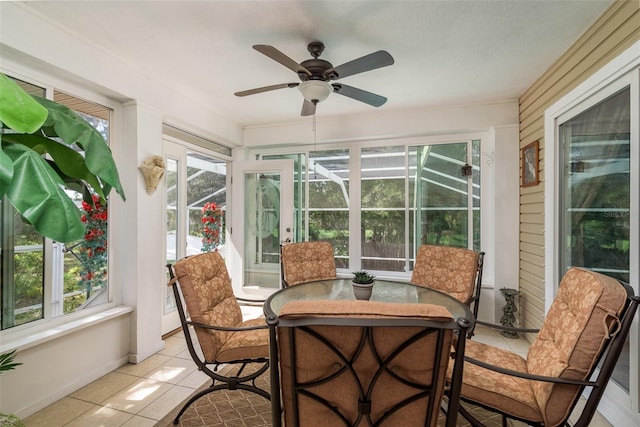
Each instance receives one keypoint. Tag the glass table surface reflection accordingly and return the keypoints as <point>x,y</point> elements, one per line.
<point>383,291</point>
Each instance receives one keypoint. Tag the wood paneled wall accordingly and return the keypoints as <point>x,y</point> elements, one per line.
<point>613,32</point>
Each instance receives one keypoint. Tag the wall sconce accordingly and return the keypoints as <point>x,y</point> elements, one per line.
<point>152,170</point>
<point>466,170</point>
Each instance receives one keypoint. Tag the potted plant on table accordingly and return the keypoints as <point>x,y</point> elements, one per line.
<point>362,282</point>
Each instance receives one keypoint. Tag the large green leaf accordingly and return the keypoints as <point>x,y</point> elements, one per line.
<point>68,161</point>
<point>62,122</point>
<point>36,192</point>
<point>18,110</point>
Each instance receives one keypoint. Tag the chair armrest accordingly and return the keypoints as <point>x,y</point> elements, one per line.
<point>247,301</point>
<point>527,375</point>
<point>227,328</point>
<point>506,328</point>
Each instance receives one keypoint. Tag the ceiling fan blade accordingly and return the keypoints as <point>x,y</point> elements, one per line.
<point>359,94</point>
<point>308,108</point>
<point>280,57</point>
<point>266,89</point>
<point>369,62</point>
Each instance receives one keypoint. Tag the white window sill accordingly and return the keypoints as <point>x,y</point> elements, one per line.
<point>30,340</point>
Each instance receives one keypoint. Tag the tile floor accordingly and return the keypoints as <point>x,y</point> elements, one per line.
<point>140,395</point>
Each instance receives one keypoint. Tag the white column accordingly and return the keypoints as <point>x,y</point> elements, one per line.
<point>137,231</point>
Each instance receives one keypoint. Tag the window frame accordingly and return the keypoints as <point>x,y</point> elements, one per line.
<point>621,72</point>
<point>48,327</point>
<point>355,250</point>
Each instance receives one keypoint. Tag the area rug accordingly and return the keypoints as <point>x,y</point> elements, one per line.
<point>225,408</point>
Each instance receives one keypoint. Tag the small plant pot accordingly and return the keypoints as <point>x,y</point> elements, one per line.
<point>362,291</point>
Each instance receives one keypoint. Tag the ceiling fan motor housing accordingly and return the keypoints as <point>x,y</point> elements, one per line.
<point>317,67</point>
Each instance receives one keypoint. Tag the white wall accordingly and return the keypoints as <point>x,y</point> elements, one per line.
<point>59,366</point>
<point>387,125</point>
<point>32,46</point>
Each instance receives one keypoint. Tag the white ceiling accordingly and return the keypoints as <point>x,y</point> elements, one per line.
<point>446,52</point>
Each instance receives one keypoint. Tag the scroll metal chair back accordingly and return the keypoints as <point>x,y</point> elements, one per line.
<point>350,363</point>
<point>455,271</point>
<point>216,317</point>
<point>307,262</point>
<point>587,323</point>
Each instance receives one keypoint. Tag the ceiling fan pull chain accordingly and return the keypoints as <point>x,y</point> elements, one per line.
<point>315,169</point>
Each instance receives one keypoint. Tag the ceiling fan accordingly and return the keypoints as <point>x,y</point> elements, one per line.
<point>315,75</point>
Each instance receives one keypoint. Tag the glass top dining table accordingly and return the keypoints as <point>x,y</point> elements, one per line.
<point>383,291</point>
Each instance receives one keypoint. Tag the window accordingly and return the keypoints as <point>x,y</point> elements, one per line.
<point>193,179</point>
<point>595,202</point>
<point>440,205</point>
<point>326,187</point>
<point>43,279</point>
<point>596,187</point>
<point>383,214</point>
<point>22,258</point>
<point>409,195</point>
<point>329,201</point>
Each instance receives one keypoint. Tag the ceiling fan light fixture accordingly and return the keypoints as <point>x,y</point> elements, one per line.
<point>315,90</point>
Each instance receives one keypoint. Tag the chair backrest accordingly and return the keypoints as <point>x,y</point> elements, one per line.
<point>455,271</point>
<point>208,296</point>
<point>585,313</point>
<point>306,262</point>
<point>364,363</point>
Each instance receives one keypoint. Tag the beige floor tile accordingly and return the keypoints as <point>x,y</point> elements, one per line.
<point>138,395</point>
<point>597,421</point>
<point>172,371</point>
<point>178,334</point>
<point>195,379</point>
<point>186,355</point>
<point>58,413</point>
<point>519,346</point>
<point>138,421</point>
<point>102,417</point>
<point>144,367</point>
<point>165,403</point>
<point>104,387</point>
<point>173,346</point>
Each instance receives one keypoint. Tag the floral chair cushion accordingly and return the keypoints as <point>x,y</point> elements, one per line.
<point>307,261</point>
<point>208,295</point>
<point>575,329</point>
<point>447,269</point>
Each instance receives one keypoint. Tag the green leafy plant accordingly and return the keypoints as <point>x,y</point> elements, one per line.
<point>6,364</point>
<point>6,361</point>
<point>32,127</point>
<point>362,277</point>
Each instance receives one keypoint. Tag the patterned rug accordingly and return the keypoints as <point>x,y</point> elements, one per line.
<point>224,408</point>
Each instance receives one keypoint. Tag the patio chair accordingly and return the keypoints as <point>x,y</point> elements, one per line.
<point>589,320</point>
<point>454,271</point>
<point>215,315</point>
<point>350,363</point>
<point>306,262</point>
